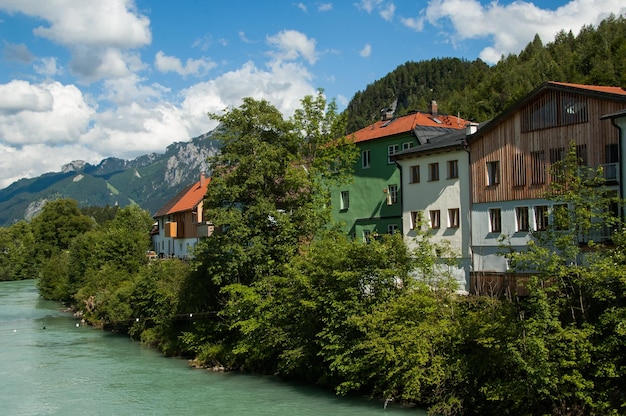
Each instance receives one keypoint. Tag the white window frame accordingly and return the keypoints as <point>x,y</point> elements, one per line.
<point>345,200</point>
<point>454,218</point>
<point>392,194</point>
<point>392,149</point>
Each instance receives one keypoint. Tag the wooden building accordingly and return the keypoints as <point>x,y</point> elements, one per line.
<point>510,159</point>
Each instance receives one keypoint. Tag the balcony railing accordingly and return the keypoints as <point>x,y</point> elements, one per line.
<point>611,172</point>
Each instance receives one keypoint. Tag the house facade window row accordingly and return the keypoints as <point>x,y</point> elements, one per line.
<point>418,219</point>
<point>452,171</point>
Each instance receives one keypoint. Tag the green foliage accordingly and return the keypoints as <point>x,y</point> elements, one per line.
<point>16,252</point>
<point>101,215</point>
<point>566,342</point>
<point>476,91</point>
<point>57,225</point>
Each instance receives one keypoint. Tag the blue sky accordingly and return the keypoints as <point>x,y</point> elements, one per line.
<point>90,79</point>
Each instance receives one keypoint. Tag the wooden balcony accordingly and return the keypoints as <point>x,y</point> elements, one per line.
<point>500,285</point>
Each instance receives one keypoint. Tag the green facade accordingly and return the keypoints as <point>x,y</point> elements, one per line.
<point>372,208</point>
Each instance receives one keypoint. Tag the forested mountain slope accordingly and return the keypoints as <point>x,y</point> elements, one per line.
<point>475,90</point>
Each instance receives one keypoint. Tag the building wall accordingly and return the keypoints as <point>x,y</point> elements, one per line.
<point>185,226</point>
<point>506,140</point>
<point>368,207</point>
<point>442,195</point>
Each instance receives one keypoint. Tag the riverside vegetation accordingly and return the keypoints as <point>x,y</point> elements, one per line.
<point>278,290</point>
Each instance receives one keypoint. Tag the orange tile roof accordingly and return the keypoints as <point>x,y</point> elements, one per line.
<point>187,199</point>
<point>407,123</point>
<point>598,88</point>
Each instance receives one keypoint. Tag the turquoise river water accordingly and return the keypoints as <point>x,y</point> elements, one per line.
<point>50,364</point>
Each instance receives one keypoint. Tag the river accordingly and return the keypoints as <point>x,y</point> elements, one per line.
<point>51,364</point>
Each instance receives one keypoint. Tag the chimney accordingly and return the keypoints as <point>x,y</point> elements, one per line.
<point>471,128</point>
<point>432,108</point>
<point>386,114</point>
<point>202,179</point>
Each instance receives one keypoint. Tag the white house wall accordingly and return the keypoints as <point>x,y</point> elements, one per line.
<point>440,195</point>
<point>488,247</point>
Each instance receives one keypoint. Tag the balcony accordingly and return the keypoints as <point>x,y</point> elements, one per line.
<point>611,172</point>
<point>205,229</point>
<point>500,285</point>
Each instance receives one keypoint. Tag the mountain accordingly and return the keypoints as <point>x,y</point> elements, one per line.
<point>149,181</point>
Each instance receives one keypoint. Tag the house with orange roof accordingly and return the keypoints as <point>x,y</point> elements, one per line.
<point>371,204</point>
<point>180,223</point>
<point>510,159</point>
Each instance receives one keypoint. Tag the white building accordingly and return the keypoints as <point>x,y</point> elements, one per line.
<point>436,196</point>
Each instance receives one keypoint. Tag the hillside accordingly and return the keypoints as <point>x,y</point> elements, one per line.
<point>475,91</point>
<point>149,181</point>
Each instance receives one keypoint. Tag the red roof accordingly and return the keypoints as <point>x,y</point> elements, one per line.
<point>598,88</point>
<point>407,123</point>
<point>187,199</point>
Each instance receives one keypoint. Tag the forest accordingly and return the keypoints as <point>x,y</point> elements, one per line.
<point>277,289</point>
<point>476,91</point>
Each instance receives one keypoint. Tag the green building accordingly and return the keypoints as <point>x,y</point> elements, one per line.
<point>372,203</point>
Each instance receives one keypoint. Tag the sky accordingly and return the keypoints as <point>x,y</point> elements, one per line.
<point>91,79</point>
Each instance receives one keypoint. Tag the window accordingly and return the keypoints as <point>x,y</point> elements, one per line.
<point>367,236</point>
<point>493,173</point>
<point>433,172</point>
<point>415,174</point>
<point>435,218</point>
<point>392,228</point>
<point>556,169</point>
<point>541,217</point>
<point>538,160</point>
<point>453,169</point>
<point>345,200</point>
<point>581,154</point>
<point>417,220</point>
<point>366,159</point>
<point>519,170</point>
<point>611,158</point>
<point>553,109</point>
<point>561,217</point>
<point>392,194</point>
<point>407,145</point>
<point>495,220</point>
<point>391,150</point>
<point>521,216</point>
<point>453,218</point>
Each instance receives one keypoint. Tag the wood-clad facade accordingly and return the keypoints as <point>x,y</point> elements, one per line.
<point>519,146</point>
<point>510,159</point>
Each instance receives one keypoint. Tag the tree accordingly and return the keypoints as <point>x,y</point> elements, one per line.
<point>554,342</point>
<point>269,186</point>
<point>16,252</point>
<point>57,225</point>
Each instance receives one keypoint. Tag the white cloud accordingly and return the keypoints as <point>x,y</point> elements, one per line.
<point>18,96</point>
<point>47,66</point>
<point>301,6</point>
<point>413,23</point>
<point>42,113</point>
<point>387,11</point>
<point>98,33</point>
<point>196,67</point>
<point>111,23</point>
<point>513,25</point>
<point>368,5</point>
<point>325,7</point>
<point>291,45</point>
<point>366,51</point>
